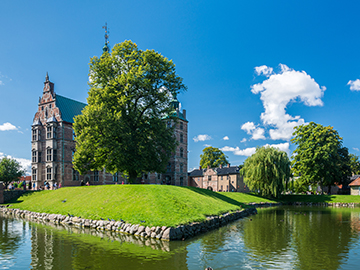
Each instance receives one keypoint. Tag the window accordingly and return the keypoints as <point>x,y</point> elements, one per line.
<point>39,156</point>
<point>54,155</point>
<point>33,156</point>
<point>181,138</point>
<point>159,176</point>
<point>146,176</point>
<point>50,106</point>
<point>115,177</point>
<point>96,176</point>
<point>181,181</point>
<point>48,173</point>
<point>48,154</point>
<point>39,134</point>
<point>181,167</point>
<point>33,174</point>
<point>209,178</point>
<point>75,175</point>
<point>168,169</point>
<point>181,125</point>
<point>34,137</point>
<point>48,133</point>
<point>181,152</point>
<point>54,133</point>
<point>221,187</point>
<point>221,179</point>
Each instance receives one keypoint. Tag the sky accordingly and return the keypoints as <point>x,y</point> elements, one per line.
<point>254,69</point>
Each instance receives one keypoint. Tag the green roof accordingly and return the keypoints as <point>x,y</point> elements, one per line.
<point>69,108</point>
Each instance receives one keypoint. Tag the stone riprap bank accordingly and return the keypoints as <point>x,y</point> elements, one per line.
<point>164,233</point>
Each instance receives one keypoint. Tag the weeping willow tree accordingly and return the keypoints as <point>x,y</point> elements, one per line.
<point>267,171</point>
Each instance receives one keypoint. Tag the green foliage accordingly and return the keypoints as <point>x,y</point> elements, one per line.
<point>354,164</point>
<point>212,157</point>
<point>122,128</point>
<point>157,205</point>
<point>267,171</point>
<point>319,157</point>
<point>10,170</point>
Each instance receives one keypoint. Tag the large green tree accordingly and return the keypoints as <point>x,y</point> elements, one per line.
<point>267,171</point>
<point>123,127</point>
<point>10,170</point>
<point>354,164</point>
<point>213,157</point>
<point>319,158</point>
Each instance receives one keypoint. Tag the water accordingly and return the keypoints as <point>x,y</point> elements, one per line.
<point>276,238</point>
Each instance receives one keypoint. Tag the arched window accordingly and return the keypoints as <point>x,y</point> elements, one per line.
<point>181,152</point>
<point>181,138</point>
<point>181,167</point>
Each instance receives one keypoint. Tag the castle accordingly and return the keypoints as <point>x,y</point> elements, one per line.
<point>53,146</point>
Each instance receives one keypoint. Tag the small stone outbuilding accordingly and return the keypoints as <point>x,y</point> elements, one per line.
<point>355,185</point>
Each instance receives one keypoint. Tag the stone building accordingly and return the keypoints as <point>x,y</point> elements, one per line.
<point>53,146</point>
<point>218,179</point>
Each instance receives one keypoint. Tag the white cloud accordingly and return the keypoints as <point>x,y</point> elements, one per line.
<point>7,126</point>
<point>265,70</point>
<point>354,85</point>
<point>226,138</point>
<point>276,93</point>
<point>207,145</point>
<point>256,133</point>
<point>356,149</point>
<point>251,150</point>
<point>25,163</point>
<point>243,140</point>
<point>239,152</point>
<point>202,138</point>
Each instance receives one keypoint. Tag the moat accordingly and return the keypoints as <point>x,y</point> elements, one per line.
<point>276,238</point>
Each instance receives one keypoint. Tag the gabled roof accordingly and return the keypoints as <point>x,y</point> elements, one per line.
<point>227,170</point>
<point>356,182</point>
<point>69,108</point>
<point>196,172</point>
<point>218,171</point>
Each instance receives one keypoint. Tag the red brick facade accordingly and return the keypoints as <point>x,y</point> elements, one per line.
<point>218,179</point>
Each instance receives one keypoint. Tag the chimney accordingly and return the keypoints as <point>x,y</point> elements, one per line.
<point>199,167</point>
<point>220,166</point>
<point>184,114</point>
<point>208,167</point>
<point>228,165</point>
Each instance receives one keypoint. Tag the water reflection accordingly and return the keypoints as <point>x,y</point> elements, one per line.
<point>282,238</point>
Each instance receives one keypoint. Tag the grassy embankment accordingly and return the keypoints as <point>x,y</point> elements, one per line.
<point>321,198</point>
<point>151,205</point>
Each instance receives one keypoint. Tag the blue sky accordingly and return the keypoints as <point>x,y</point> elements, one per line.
<point>254,69</point>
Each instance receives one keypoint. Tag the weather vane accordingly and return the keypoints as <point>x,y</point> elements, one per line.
<point>106,34</point>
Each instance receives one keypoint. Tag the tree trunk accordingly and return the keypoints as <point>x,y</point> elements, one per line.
<point>132,176</point>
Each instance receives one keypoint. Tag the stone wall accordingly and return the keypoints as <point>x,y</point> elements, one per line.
<point>181,232</point>
<point>12,194</point>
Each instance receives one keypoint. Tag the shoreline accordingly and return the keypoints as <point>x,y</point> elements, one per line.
<point>164,233</point>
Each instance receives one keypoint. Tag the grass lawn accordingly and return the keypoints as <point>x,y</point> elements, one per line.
<point>321,198</point>
<point>155,205</point>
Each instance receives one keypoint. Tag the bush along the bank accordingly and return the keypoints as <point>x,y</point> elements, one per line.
<point>181,232</point>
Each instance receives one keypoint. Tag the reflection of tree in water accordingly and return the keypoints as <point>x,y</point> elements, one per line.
<point>268,233</point>
<point>312,238</point>
<point>9,236</point>
<point>321,238</point>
